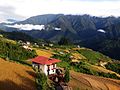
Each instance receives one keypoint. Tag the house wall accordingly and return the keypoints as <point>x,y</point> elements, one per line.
<point>51,69</point>
<point>44,68</point>
<point>34,65</point>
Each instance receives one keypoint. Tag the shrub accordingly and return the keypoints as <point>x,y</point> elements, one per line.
<point>114,67</point>
<point>41,81</point>
<point>67,75</point>
<point>64,57</point>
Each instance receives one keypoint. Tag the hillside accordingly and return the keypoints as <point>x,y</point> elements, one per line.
<point>81,60</point>
<point>80,81</point>
<point>78,60</point>
<point>98,33</point>
<point>17,36</point>
<point>11,50</point>
<point>15,76</point>
<point>88,82</point>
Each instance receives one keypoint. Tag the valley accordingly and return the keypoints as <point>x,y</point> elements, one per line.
<point>59,44</point>
<point>78,60</point>
<point>89,55</point>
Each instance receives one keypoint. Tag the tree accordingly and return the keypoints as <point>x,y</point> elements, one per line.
<point>41,81</point>
<point>67,75</point>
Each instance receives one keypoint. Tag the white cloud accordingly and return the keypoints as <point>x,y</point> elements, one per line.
<point>57,28</point>
<point>28,8</point>
<point>101,30</point>
<point>30,27</point>
<point>27,26</point>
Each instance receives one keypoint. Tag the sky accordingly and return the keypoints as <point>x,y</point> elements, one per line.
<point>22,9</point>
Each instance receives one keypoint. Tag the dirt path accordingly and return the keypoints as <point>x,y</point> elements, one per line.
<point>89,82</point>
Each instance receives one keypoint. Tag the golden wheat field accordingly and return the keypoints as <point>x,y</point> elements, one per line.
<point>15,76</point>
<point>42,52</point>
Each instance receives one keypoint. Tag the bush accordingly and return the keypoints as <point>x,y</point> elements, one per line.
<point>63,64</point>
<point>67,75</point>
<point>84,67</point>
<point>108,75</point>
<point>41,81</point>
<point>114,67</point>
<point>64,57</point>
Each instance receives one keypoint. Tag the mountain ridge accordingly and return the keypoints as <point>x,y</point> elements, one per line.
<point>85,30</point>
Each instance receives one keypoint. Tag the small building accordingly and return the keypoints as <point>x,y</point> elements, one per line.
<point>78,46</point>
<point>47,65</point>
<point>51,45</point>
<point>26,47</point>
<point>28,43</point>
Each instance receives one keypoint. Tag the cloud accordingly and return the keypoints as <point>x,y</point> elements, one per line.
<point>97,0</point>
<point>57,28</point>
<point>27,26</point>
<point>9,12</point>
<point>7,9</point>
<point>26,8</point>
<point>101,30</point>
<point>31,27</point>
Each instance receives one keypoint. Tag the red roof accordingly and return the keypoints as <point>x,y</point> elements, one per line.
<point>44,60</point>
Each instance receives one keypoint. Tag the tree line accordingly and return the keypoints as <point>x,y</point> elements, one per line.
<point>15,52</point>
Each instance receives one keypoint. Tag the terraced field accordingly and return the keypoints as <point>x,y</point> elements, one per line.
<point>15,76</point>
<point>81,81</point>
<point>89,82</point>
<point>42,52</point>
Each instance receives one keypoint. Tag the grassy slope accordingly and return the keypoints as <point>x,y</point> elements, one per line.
<point>83,81</point>
<point>15,76</point>
<point>7,40</point>
<point>98,68</point>
<point>93,57</point>
<point>78,56</point>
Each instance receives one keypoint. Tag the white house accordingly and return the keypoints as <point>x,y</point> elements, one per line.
<point>28,43</point>
<point>26,47</point>
<point>47,65</point>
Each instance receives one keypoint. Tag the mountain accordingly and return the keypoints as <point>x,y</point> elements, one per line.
<point>81,27</point>
<point>86,30</point>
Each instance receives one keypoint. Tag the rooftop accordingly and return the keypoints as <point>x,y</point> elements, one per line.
<point>44,60</point>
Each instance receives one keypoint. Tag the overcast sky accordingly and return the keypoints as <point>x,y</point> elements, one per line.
<point>22,9</point>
